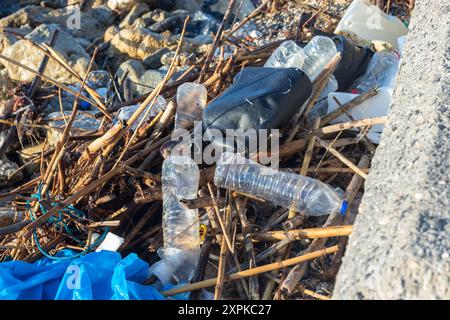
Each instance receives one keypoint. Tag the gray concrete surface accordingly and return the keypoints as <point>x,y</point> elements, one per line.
<point>401,241</point>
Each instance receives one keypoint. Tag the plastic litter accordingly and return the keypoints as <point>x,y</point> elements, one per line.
<point>191,100</point>
<point>354,61</point>
<point>368,22</point>
<point>287,55</point>
<point>282,188</point>
<point>311,59</point>
<point>180,179</point>
<point>376,106</point>
<point>96,276</point>
<point>111,242</point>
<point>260,98</point>
<point>125,113</point>
<point>381,72</point>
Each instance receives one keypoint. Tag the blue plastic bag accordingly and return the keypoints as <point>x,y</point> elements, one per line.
<point>100,275</point>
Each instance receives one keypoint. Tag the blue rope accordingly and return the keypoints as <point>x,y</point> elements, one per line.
<point>57,220</point>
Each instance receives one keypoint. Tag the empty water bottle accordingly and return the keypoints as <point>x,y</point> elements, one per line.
<point>319,52</point>
<point>191,100</point>
<point>287,55</point>
<point>381,72</point>
<point>286,189</point>
<point>180,179</point>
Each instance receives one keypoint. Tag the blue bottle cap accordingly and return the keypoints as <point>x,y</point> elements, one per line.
<point>344,207</point>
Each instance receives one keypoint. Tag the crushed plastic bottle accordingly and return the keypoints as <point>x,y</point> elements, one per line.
<point>311,59</point>
<point>381,72</point>
<point>125,113</point>
<point>287,55</point>
<point>180,179</point>
<point>191,100</point>
<point>282,188</point>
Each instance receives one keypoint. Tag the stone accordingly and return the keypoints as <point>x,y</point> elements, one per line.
<point>153,61</point>
<point>92,22</point>
<point>136,43</point>
<point>7,175</point>
<point>175,20</point>
<point>149,80</point>
<point>137,11</point>
<point>221,6</point>
<point>401,238</point>
<point>110,33</point>
<point>189,5</point>
<point>7,216</point>
<point>26,53</point>
<point>122,5</point>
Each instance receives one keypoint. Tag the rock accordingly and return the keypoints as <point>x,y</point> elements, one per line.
<point>136,43</point>
<point>149,80</point>
<point>87,24</point>
<point>173,22</point>
<point>167,58</point>
<point>110,33</point>
<point>98,79</point>
<point>153,61</point>
<point>81,124</point>
<point>27,54</point>
<point>7,169</point>
<point>133,68</point>
<point>137,11</point>
<point>221,6</point>
<point>167,5</point>
<point>122,5</point>
<point>7,216</point>
<point>189,5</point>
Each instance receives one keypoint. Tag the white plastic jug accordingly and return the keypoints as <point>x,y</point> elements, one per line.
<point>377,106</point>
<point>370,23</point>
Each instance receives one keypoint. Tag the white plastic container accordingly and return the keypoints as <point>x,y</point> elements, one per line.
<point>370,23</point>
<point>377,106</point>
<point>191,100</point>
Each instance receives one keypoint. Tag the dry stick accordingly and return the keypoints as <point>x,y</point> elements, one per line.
<point>221,223</point>
<point>252,272</point>
<point>298,272</point>
<point>309,150</point>
<point>144,219</point>
<point>341,157</point>
<point>248,245</point>
<point>348,106</point>
<point>310,233</point>
<point>345,126</point>
<point>319,84</point>
<point>222,265</point>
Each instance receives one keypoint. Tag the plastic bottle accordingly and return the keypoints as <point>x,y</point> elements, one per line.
<point>282,188</point>
<point>311,59</point>
<point>369,23</point>
<point>381,72</point>
<point>287,55</point>
<point>319,52</point>
<point>180,179</point>
<point>191,100</point>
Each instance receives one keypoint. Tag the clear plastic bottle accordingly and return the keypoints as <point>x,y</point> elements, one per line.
<point>287,55</point>
<point>319,52</point>
<point>191,100</point>
<point>381,72</point>
<point>180,179</point>
<point>286,189</point>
